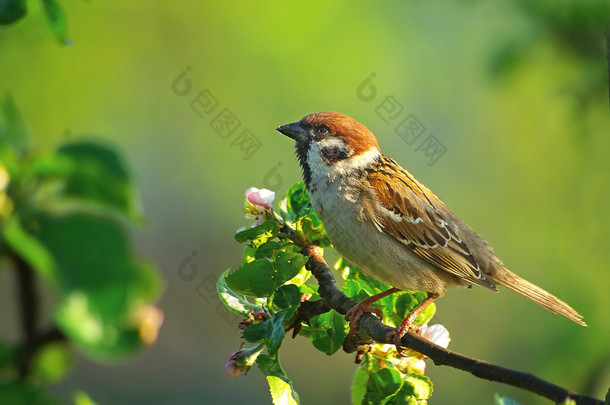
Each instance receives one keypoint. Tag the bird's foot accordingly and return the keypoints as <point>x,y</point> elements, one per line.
<point>354,314</point>
<point>395,336</point>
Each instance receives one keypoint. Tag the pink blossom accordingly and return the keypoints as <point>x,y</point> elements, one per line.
<point>261,197</point>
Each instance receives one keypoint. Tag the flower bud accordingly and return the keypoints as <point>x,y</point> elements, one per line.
<point>242,360</point>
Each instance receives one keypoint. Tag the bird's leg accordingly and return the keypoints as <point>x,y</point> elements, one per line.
<point>407,324</point>
<point>354,314</point>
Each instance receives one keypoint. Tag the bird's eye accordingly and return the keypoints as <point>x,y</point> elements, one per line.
<point>323,130</point>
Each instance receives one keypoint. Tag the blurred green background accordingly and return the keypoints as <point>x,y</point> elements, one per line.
<point>516,94</point>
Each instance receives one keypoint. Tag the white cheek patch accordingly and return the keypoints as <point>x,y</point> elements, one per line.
<point>323,171</point>
<point>334,142</point>
<point>358,162</point>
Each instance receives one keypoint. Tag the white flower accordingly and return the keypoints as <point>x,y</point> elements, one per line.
<point>437,334</point>
<point>261,197</point>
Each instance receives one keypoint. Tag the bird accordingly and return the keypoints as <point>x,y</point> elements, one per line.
<point>389,225</point>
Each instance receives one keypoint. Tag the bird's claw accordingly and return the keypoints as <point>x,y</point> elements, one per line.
<point>355,313</point>
<point>395,336</point>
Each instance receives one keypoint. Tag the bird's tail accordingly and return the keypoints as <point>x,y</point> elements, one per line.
<point>538,295</point>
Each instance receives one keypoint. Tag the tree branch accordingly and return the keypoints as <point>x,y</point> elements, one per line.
<point>33,340</point>
<point>28,302</point>
<point>372,330</point>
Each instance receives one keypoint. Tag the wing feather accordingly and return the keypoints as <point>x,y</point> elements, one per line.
<point>412,214</point>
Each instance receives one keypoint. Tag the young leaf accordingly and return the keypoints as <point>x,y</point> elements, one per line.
<point>383,384</point>
<point>416,386</point>
<point>259,233</point>
<point>314,230</point>
<point>298,202</point>
<point>281,392</point>
<point>271,332</point>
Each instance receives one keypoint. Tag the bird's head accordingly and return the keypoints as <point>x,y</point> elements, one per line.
<point>331,141</point>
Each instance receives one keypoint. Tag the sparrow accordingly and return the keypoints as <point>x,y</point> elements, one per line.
<point>392,227</point>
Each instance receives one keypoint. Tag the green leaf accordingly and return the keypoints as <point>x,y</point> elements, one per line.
<point>102,284</point>
<point>261,277</point>
<point>56,20</point>
<point>287,296</point>
<point>288,265</point>
<point>12,127</point>
<point>381,385</point>
<point>94,330</point>
<point>407,302</point>
<point>417,386</point>
<point>396,307</point>
<point>260,233</point>
<point>100,175</point>
<point>53,362</point>
<point>29,249</point>
<point>237,303</point>
<point>328,331</point>
<point>254,278</point>
<point>266,249</point>
<point>90,252</point>
<point>282,391</point>
<point>314,230</point>
<point>271,332</point>
<point>298,202</point>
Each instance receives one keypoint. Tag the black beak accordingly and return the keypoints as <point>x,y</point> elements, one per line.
<point>294,131</point>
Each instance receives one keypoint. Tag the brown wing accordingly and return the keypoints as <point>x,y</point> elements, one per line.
<point>411,213</point>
